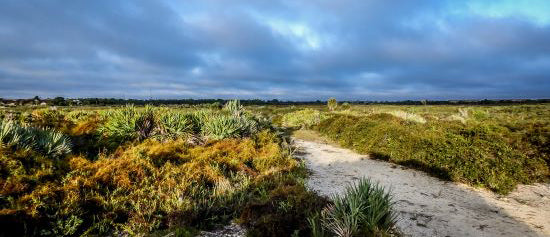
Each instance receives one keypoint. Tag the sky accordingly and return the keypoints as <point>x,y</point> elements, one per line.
<point>276,49</point>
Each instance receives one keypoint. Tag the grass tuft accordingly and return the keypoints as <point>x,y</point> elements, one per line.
<point>365,209</point>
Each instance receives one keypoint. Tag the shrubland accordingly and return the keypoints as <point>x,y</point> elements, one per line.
<point>493,147</point>
<point>173,170</point>
<point>147,170</point>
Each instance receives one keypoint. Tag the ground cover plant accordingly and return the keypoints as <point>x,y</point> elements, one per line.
<point>494,147</point>
<point>147,170</point>
<point>365,209</point>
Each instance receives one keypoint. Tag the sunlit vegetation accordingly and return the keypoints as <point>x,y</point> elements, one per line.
<point>154,170</point>
<point>365,209</point>
<point>493,147</point>
<point>146,170</point>
<point>302,118</point>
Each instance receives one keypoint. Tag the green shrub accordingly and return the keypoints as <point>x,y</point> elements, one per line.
<point>365,209</point>
<point>151,185</point>
<point>302,118</point>
<point>222,126</point>
<point>120,124</point>
<point>281,208</point>
<point>174,125</point>
<point>482,154</point>
<point>48,118</point>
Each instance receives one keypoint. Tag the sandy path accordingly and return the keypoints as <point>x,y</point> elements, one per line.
<point>428,206</point>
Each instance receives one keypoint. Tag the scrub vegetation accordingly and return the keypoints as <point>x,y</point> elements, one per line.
<point>496,147</point>
<point>154,170</point>
<point>142,170</point>
<point>150,171</point>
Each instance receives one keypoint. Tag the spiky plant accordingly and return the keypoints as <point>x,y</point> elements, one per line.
<point>120,124</point>
<point>223,126</point>
<point>200,117</point>
<point>6,133</point>
<point>174,125</point>
<point>365,209</point>
<point>234,107</point>
<point>45,141</point>
<point>316,226</point>
<point>12,134</point>
<point>51,143</point>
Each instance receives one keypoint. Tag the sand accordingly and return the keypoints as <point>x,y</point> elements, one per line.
<point>428,206</point>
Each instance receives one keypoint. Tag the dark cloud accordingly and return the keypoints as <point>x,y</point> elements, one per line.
<point>351,49</point>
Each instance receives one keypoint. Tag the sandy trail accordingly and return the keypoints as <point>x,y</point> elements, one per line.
<point>428,206</point>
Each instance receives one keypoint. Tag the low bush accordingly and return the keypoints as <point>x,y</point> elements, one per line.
<point>48,118</point>
<point>222,126</point>
<point>234,107</point>
<point>302,118</point>
<point>408,116</point>
<point>484,154</point>
<point>281,208</point>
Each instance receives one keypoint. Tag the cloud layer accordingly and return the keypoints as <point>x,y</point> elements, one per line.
<point>298,50</point>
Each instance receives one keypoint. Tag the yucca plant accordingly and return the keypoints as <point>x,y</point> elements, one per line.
<point>316,226</point>
<point>174,125</point>
<point>47,142</point>
<point>365,209</point>
<point>120,124</point>
<point>51,143</point>
<point>200,117</point>
<point>223,126</point>
<point>234,107</point>
<point>12,134</point>
<point>5,130</point>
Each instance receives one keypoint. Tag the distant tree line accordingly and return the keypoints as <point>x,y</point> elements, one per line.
<point>61,101</point>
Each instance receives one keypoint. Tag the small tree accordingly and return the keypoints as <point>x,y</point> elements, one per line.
<point>332,104</point>
<point>424,102</point>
